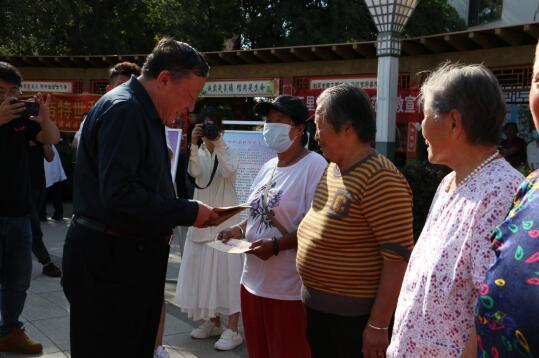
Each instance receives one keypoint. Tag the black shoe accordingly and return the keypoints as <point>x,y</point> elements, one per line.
<point>57,217</point>
<point>51,270</point>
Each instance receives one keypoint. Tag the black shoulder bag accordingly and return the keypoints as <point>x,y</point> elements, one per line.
<point>193,181</point>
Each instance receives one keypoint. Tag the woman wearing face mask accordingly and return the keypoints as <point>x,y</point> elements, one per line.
<point>209,280</point>
<point>273,316</point>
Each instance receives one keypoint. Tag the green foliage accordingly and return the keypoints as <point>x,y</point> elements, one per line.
<point>487,11</point>
<point>525,169</point>
<point>433,17</point>
<point>56,27</point>
<point>298,22</point>
<point>50,27</point>
<point>203,23</point>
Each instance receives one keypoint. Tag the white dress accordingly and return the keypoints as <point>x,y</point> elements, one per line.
<point>209,280</point>
<point>54,171</point>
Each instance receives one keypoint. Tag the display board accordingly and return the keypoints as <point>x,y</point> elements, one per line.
<point>253,153</point>
<point>174,138</point>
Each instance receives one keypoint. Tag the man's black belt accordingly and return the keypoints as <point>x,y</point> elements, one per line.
<point>107,230</point>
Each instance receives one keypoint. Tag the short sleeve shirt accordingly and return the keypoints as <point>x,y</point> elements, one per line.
<point>507,313</point>
<point>360,218</point>
<point>289,197</point>
<point>434,313</point>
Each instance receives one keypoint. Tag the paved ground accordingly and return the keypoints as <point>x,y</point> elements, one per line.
<point>46,312</point>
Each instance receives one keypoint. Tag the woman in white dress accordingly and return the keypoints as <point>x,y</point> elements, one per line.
<point>209,280</point>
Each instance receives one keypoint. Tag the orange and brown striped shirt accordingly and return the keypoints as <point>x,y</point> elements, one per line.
<point>358,218</point>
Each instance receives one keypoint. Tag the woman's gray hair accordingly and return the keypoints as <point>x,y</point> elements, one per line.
<point>472,90</point>
<point>343,104</point>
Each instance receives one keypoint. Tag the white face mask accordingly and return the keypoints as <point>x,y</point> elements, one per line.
<point>277,136</point>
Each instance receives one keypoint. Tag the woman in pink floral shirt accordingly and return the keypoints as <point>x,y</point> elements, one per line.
<point>464,112</point>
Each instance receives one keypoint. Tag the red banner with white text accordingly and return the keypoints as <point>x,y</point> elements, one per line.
<point>67,109</point>
<point>408,108</point>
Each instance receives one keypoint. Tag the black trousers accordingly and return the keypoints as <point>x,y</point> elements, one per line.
<point>115,287</point>
<point>54,193</point>
<point>336,336</point>
<point>38,246</point>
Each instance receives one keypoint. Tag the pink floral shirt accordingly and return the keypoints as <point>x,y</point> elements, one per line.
<point>435,309</point>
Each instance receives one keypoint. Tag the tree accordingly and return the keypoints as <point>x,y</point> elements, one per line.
<point>421,23</point>
<point>61,27</point>
<point>301,22</point>
<point>206,24</point>
<point>50,27</point>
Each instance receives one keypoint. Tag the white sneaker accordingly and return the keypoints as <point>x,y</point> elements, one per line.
<point>160,352</point>
<point>206,330</point>
<point>228,340</point>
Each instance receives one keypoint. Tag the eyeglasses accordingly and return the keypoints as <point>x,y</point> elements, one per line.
<point>12,92</point>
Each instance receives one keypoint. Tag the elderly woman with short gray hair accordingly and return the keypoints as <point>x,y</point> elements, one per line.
<point>355,240</point>
<point>464,112</point>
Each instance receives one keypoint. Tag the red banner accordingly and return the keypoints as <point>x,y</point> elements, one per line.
<point>67,109</point>
<point>411,141</point>
<point>408,108</point>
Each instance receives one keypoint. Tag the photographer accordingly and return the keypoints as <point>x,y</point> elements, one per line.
<point>209,280</point>
<point>17,127</point>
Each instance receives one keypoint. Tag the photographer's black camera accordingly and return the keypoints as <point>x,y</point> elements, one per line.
<point>211,131</point>
<point>31,109</point>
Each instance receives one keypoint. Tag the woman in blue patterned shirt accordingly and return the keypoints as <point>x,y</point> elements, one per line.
<point>507,311</point>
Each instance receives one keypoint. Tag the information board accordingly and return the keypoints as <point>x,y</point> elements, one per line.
<point>253,153</point>
<point>174,137</point>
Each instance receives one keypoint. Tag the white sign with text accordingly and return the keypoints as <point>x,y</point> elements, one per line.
<point>47,86</point>
<point>253,153</point>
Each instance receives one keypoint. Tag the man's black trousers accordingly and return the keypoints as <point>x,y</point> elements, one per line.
<point>115,289</point>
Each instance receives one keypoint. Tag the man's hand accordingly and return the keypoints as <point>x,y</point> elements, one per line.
<point>263,248</point>
<point>205,214</point>
<point>375,342</point>
<point>9,111</point>
<point>49,133</point>
<point>197,133</point>
<point>233,232</point>
<point>44,112</point>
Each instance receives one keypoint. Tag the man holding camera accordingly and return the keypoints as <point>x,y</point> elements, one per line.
<point>116,250</point>
<point>20,122</point>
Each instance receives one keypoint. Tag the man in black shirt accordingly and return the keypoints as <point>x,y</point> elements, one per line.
<point>37,153</point>
<point>116,250</point>
<point>16,130</point>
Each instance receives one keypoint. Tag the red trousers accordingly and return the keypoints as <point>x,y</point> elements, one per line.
<point>274,328</point>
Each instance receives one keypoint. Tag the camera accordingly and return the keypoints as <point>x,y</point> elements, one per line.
<point>211,131</point>
<point>31,109</point>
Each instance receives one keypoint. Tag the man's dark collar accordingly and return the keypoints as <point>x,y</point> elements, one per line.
<point>143,97</point>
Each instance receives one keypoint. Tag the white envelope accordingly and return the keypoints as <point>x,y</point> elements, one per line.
<point>232,246</point>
